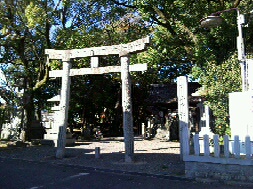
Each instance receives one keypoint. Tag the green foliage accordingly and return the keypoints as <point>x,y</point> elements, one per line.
<point>24,35</point>
<point>178,37</point>
<point>29,27</point>
<point>92,94</point>
<point>36,16</point>
<point>165,62</point>
<point>218,80</point>
<point>217,66</point>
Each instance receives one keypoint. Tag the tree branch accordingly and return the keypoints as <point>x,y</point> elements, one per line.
<point>43,81</point>
<point>166,25</point>
<point>236,3</point>
<point>124,4</point>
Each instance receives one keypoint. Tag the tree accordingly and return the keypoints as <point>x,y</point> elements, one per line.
<point>218,81</point>
<point>25,33</point>
<point>178,39</point>
<point>29,27</point>
<point>9,92</point>
<point>218,65</point>
<point>92,94</point>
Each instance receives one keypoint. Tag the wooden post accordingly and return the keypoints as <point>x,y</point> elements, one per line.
<point>183,113</point>
<point>127,108</point>
<point>64,107</point>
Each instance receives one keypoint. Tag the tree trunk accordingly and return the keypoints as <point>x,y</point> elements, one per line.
<point>28,114</point>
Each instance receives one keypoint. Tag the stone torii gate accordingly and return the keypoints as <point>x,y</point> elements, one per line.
<point>124,51</point>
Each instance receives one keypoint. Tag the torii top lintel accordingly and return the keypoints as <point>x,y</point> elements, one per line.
<point>137,46</point>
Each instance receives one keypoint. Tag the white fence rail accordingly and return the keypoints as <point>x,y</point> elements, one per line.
<point>233,151</point>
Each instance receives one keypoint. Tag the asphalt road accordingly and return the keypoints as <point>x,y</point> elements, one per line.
<point>21,174</point>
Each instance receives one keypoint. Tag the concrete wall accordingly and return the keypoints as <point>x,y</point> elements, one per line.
<point>219,172</point>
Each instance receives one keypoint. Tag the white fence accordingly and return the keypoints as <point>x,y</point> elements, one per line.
<point>209,151</point>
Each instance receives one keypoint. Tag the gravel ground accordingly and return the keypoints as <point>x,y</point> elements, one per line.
<point>151,156</point>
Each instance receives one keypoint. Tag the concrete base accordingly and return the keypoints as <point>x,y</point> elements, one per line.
<point>219,172</point>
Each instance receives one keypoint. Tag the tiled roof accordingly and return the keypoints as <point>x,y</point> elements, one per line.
<point>167,93</point>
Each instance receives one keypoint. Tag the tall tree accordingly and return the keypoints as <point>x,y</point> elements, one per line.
<point>29,27</point>
<point>26,28</point>
<point>92,94</point>
<point>180,41</point>
<point>218,64</point>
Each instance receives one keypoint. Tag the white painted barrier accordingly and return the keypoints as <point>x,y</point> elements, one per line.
<point>231,152</point>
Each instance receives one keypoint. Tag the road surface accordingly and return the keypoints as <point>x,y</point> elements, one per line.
<point>24,174</point>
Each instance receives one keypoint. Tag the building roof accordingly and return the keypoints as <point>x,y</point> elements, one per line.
<point>166,94</point>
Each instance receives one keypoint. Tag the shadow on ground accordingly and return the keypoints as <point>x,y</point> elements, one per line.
<point>152,163</point>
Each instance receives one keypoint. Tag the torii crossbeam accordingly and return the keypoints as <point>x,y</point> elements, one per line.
<point>124,51</point>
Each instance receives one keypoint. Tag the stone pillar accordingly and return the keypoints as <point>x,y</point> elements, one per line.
<point>183,113</point>
<point>148,134</point>
<point>143,130</point>
<point>204,122</point>
<point>64,107</point>
<point>127,108</point>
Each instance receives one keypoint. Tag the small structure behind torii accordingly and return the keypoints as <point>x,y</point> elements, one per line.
<point>124,51</point>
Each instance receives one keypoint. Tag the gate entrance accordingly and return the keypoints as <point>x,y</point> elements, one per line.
<point>124,52</point>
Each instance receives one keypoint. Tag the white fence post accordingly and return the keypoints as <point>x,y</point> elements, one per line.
<point>216,145</point>
<point>248,147</point>
<point>196,144</point>
<point>237,147</point>
<point>206,145</point>
<point>226,146</point>
<point>217,157</point>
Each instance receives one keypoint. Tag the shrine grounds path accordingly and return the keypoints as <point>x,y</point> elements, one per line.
<point>151,156</point>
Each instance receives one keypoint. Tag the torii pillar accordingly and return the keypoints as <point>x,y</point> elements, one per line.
<point>64,106</point>
<point>127,107</point>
